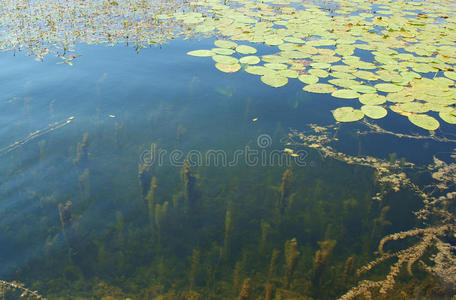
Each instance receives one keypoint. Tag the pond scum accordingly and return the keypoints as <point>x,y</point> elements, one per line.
<point>240,240</point>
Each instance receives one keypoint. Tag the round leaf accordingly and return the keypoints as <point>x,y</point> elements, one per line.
<point>274,80</point>
<point>244,49</point>
<point>225,44</point>
<point>225,59</point>
<point>374,111</point>
<point>345,94</point>
<point>200,53</point>
<point>424,121</point>
<point>449,117</point>
<point>347,114</point>
<point>388,87</point>
<point>228,68</point>
<point>321,88</point>
<point>250,60</point>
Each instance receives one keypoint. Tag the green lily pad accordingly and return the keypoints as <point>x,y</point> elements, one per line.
<point>308,79</point>
<point>374,111</point>
<point>366,75</point>
<point>222,51</point>
<point>225,59</point>
<point>449,117</point>
<point>319,65</point>
<point>244,49</point>
<point>342,75</point>
<point>307,49</point>
<point>451,75</point>
<point>225,44</point>
<point>201,53</point>
<point>257,70</point>
<point>320,88</point>
<point>294,40</point>
<point>276,66</point>
<point>343,69</point>
<point>249,60</point>
<point>276,59</point>
<point>345,83</point>
<point>413,107</point>
<point>347,114</point>
<point>319,72</point>
<point>424,121</point>
<point>388,87</point>
<point>400,97</point>
<point>372,99</point>
<point>364,89</point>
<point>288,73</point>
<point>228,68</point>
<point>362,65</point>
<point>345,94</point>
<point>274,80</point>
<point>273,41</point>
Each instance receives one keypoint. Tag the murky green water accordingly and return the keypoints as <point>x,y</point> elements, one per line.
<point>152,175</point>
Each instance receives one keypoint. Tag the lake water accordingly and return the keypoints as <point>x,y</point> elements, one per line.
<point>152,175</point>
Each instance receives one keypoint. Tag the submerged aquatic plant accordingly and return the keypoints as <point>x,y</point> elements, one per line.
<point>389,174</point>
<point>151,201</point>
<point>438,220</point>
<point>291,257</point>
<point>35,134</point>
<point>245,290</point>
<point>444,267</point>
<point>25,292</point>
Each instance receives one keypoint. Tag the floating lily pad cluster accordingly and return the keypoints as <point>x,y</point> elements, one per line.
<point>394,56</point>
<point>41,27</point>
<point>410,45</point>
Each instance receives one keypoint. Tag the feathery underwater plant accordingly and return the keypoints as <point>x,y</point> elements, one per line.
<point>439,221</point>
<point>291,258</point>
<point>25,292</point>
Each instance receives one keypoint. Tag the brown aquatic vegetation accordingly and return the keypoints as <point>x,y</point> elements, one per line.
<point>376,129</point>
<point>144,178</point>
<point>245,290</point>
<point>228,229</point>
<point>433,238</point>
<point>189,180</point>
<point>444,262</point>
<point>82,154</point>
<point>285,188</point>
<point>272,264</point>
<point>66,220</point>
<point>389,174</point>
<point>348,269</point>
<point>195,265</point>
<point>268,289</point>
<point>160,213</point>
<point>25,292</point>
<point>321,259</point>
<point>35,134</point>
<point>291,258</point>
<point>150,199</point>
<point>444,267</point>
